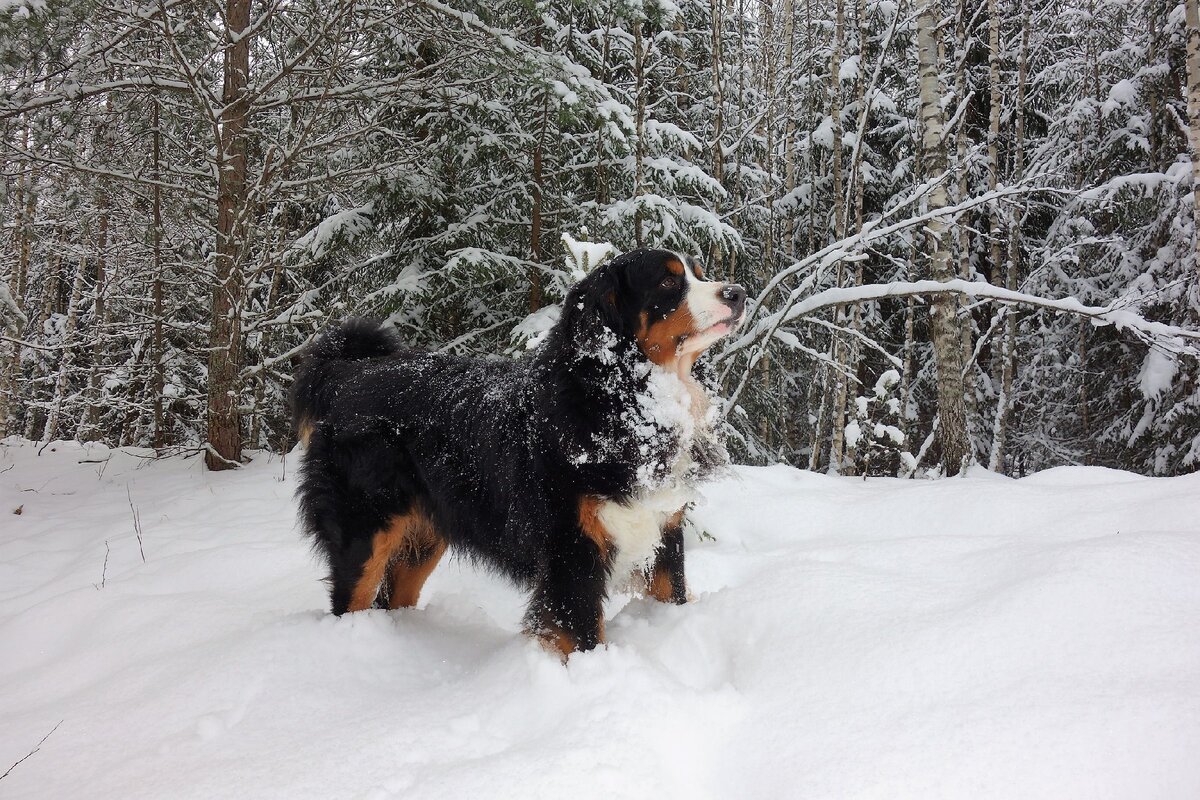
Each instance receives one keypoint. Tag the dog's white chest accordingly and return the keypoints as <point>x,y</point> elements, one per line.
<point>635,528</point>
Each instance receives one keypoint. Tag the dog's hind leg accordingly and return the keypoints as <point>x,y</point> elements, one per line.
<point>352,508</point>
<point>357,570</point>
<point>412,564</point>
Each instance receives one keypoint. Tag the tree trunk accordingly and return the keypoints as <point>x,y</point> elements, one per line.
<point>91,417</point>
<point>159,379</point>
<point>1153,90</point>
<point>766,131</point>
<point>1005,402</point>
<point>224,340</point>
<point>1193,108</point>
<point>535,225</point>
<point>62,382</point>
<point>995,223</point>
<point>789,129</point>
<point>639,66</point>
<point>25,202</point>
<point>910,318</point>
<point>718,101</point>
<point>538,193</point>
<point>964,228</point>
<point>944,322</point>
<point>856,181</point>
<point>837,345</point>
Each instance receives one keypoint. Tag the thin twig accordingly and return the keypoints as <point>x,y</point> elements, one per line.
<point>31,752</point>
<point>47,348</point>
<point>137,522</point>
<point>104,569</point>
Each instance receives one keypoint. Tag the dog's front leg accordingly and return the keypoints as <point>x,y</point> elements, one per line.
<point>665,580</point>
<point>566,611</point>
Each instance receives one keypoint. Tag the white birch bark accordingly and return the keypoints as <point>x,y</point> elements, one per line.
<point>1193,108</point>
<point>944,322</point>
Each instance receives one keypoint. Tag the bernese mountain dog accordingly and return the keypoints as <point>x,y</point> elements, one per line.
<point>564,470</point>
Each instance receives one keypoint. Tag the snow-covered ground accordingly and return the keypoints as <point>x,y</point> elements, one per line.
<point>968,638</point>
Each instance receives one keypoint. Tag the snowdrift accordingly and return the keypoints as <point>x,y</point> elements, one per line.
<point>970,638</point>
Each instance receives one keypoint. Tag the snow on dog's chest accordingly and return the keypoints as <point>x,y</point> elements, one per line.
<point>635,526</point>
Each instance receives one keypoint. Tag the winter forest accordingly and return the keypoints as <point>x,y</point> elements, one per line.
<point>967,227</point>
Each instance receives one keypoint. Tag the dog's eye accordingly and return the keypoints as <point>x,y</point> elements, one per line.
<point>669,282</point>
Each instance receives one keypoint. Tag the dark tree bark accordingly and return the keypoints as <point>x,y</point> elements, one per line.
<point>224,338</point>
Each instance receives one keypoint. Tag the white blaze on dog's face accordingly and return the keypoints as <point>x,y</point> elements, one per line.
<point>718,308</point>
<point>682,313</point>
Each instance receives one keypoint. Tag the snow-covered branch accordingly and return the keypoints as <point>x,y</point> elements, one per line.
<point>1167,336</point>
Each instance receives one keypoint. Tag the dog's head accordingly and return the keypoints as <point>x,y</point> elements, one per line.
<point>661,301</point>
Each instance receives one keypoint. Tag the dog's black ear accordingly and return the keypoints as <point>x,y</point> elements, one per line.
<point>594,304</point>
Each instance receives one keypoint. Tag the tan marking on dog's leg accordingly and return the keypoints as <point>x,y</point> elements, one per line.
<point>413,565</point>
<point>659,587</point>
<point>658,580</point>
<point>592,527</point>
<point>383,545</point>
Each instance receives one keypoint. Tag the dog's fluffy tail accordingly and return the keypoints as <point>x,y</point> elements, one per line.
<point>315,383</point>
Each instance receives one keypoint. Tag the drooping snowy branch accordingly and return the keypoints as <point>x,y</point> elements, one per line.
<point>1169,337</point>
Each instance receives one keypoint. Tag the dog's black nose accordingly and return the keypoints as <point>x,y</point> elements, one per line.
<point>734,296</point>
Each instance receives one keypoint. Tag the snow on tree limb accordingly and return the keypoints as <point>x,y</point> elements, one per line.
<point>12,318</point>
<point>871,232</point>
<point>1166,336</point>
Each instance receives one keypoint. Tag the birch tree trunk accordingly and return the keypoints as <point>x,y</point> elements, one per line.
<point>1193,108</point>
<point>944,322</point>
<point>224,358</point>
<point>964,227</point>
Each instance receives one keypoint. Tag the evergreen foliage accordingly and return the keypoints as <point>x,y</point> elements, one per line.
<point>436,163</point>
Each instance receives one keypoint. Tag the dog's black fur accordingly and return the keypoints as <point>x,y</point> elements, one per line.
<point>408,452</point>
